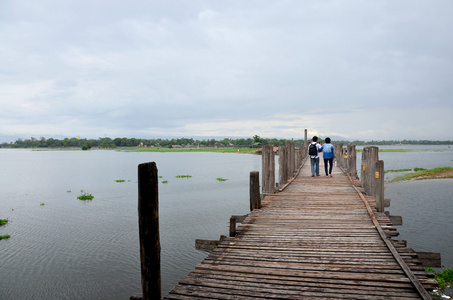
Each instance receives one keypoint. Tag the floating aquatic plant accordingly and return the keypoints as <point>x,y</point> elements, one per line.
<point>7,236</point>
<point>3,221</point>
<point>221,179</point>
<point>183,176</point>
<point>120,180</point>
<point>85,196</point>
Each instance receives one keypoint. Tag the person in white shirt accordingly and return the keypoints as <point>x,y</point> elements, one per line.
<point>313,150</point>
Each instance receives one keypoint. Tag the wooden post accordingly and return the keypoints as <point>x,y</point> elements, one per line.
<point>352,161</point>
<point>345,158</point>
<point>232,227</point>
<point>363,166</point>
<point>291,159</point>
<point>299,156</point>
<point>306,139</point>
<point>370,156</point>
<point>255,199</point>
<point>379,185</point>
<point>338,148</point>
<point>268,165</point>
<point>283,165</point>
<point>148,226</point>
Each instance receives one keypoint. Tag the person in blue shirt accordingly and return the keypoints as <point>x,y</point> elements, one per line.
<point>328,155</point>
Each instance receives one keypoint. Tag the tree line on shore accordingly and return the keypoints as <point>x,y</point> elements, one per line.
<point>256,140</point>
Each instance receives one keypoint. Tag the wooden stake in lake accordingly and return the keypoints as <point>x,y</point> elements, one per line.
<point>148,221</point>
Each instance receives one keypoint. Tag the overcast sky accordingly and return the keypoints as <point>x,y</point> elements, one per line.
<point>357,69</point>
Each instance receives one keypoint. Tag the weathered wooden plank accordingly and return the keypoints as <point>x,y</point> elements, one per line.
<point>233,292</point>
<point>283,287</point>
<point>305,281</point>
<point>430,259</point>
<point>206,245</point>
<point>376,277</point>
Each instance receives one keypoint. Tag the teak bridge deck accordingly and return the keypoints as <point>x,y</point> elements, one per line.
<point>320,238</point>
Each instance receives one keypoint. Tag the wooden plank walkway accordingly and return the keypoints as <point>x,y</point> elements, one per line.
<point>314,240</point>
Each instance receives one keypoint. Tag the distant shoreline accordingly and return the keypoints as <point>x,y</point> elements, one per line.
<point>240,150</point>
<point>436,173</point>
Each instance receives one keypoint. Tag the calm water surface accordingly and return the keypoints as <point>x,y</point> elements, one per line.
<point>425,205</point>
<point>73,249</point>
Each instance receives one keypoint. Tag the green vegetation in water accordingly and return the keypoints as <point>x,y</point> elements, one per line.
<point>419,169</point>
<point>7,236</point>
<point>68,191</point>
<point>42,204</point>
<point>164,181</point>
<point>421,174</point>
<point>221,179</point>
<point>444,277</point>
<point>399,170</point>
<point>85,196</point>
<point>3,221</point>
<point>120,180</point>
<point>183,176</point>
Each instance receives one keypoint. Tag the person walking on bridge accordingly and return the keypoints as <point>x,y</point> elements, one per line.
<point>328,153</point>
<point>313,151</point>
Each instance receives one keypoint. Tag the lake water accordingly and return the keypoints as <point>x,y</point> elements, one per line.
<point>425,205</point>
<point>73,249</point>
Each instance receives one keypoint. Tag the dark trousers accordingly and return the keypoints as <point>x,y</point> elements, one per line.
<point>330,161</point>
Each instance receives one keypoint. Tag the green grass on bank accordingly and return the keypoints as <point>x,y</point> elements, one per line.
<point>216,150</point>
<point>420,173</point>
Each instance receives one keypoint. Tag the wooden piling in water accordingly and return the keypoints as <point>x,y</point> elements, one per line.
<point>291,158</point>
<point>370,155</point>
<point>148,223</point>
<point>255,198</point>
<point>379,185</point>
<point>283,165</point>
<point>268,167</point>
<point>338,149</point>
<point>352,161</point>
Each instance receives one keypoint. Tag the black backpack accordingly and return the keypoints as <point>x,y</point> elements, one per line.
<point>312,150</point>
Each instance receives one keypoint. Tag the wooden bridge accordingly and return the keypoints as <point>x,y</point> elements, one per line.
<point>316,238</point>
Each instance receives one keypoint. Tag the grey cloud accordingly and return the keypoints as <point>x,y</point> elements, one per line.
<point>128,66</point>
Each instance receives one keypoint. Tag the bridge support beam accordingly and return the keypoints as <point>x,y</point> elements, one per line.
<point>148,221</point>
<point>255,198</point>
<point>379,185</point>
<point>370,156</point>
<point>268,166</point>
